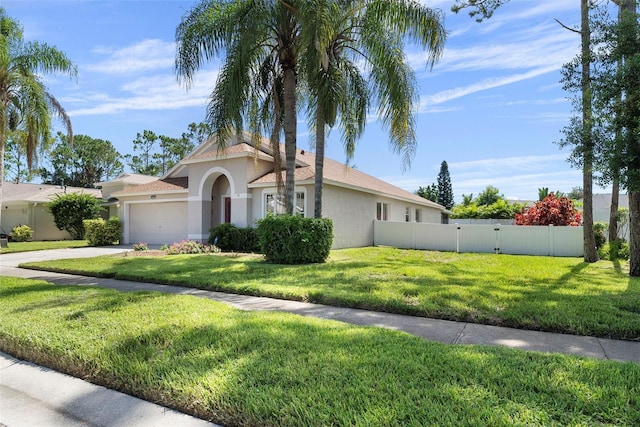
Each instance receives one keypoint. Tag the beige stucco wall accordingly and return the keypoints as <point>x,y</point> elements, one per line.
<point>36,216</point>
<point>14,215</point>
<point>352,212</point>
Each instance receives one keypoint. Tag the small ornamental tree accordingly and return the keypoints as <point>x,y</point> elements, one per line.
<point>70,210</point>
<point>551,210</point>
<point>445,190</point>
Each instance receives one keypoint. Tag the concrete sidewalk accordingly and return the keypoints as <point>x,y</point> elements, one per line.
<point>31,395</point>
<point>430,329</point>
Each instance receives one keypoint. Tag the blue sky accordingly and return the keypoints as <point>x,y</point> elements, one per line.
<point>492,107</point>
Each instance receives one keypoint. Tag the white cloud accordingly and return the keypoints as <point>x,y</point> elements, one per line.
<point>507,163</point>
<point>147,93</point>
<point>150,54</point>
<point>449,94</point>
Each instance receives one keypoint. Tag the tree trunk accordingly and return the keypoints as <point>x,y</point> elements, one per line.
<point>590,250</point>
<point>613,211</point>
<point>320,140</point>
<point>634,233</point>
<point>290,130</point>
<point>629,6</point>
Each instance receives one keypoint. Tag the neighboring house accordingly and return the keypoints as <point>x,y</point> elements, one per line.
<point>26,204</point>
<point>238,185</point>
<point>602,208</point>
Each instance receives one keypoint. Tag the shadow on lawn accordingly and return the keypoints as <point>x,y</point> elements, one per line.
<point>451,289</point>
<point>244,368</point>
<point>273,369</point>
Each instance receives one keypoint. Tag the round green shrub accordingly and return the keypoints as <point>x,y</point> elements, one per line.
<point>21,233</point>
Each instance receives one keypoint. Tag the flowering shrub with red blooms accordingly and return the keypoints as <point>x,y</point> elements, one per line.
<point>551,210</point>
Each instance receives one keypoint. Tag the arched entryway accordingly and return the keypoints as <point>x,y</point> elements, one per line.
<point>220,201</point>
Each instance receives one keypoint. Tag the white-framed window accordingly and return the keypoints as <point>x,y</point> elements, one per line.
<point>418,215</point>
<point>407,214</point>
<point>382,211</point>
<point>274,204</point>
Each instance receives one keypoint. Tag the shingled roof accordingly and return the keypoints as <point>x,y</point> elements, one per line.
<point>40,193</point>
<point>166,185</point>
<point>339,174</point>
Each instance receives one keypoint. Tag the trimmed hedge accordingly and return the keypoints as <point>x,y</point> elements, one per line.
<point>103,233</point>
<point>229,238</point>
<point>286,239</point>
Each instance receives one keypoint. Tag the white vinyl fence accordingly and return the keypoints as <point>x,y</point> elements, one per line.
<point>503,239</point>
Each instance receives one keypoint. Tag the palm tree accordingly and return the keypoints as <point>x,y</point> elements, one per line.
<point>24,100</point>
<point>254,35</point>
<point>348,32</point>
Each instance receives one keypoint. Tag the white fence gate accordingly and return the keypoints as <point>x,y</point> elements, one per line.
<point>504,239</point>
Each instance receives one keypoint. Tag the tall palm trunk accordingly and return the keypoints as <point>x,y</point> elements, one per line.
<point>290,130</point>
<point>590,250</point>
<point>2,148</point>
<point>320,140</point>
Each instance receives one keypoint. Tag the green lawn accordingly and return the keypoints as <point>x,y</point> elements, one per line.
<point>40,246</point>
<point>275,369</point>
<point>552,294</point>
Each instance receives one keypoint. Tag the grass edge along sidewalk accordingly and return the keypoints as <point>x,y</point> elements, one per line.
<point>248,368</point>
<point>14,247</point>
<point>564,295</point>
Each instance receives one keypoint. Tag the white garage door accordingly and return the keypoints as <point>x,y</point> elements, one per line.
<point>158,223</point>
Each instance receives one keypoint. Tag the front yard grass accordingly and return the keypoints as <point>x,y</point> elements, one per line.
<point>552,294</point>
<point>276,369</point>
<point>41,246</point>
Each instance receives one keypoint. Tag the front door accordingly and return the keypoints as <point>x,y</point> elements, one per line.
<point>227,210</point>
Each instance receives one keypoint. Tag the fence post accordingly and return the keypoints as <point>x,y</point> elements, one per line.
<point>497,245</point>
<point>551,237</point>
<point>458,238</point>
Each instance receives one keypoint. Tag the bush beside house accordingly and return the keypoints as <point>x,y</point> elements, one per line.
<point>21,233</point>
<point>230,238</point>
<point>103,233</point>
<point>71,209</point>
<point>286,239</point>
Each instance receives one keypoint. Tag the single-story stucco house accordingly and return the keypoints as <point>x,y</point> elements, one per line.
<point>238,185</point>
<point>26,204</point>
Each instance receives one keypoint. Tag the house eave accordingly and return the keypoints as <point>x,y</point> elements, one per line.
<point>120,194</point>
